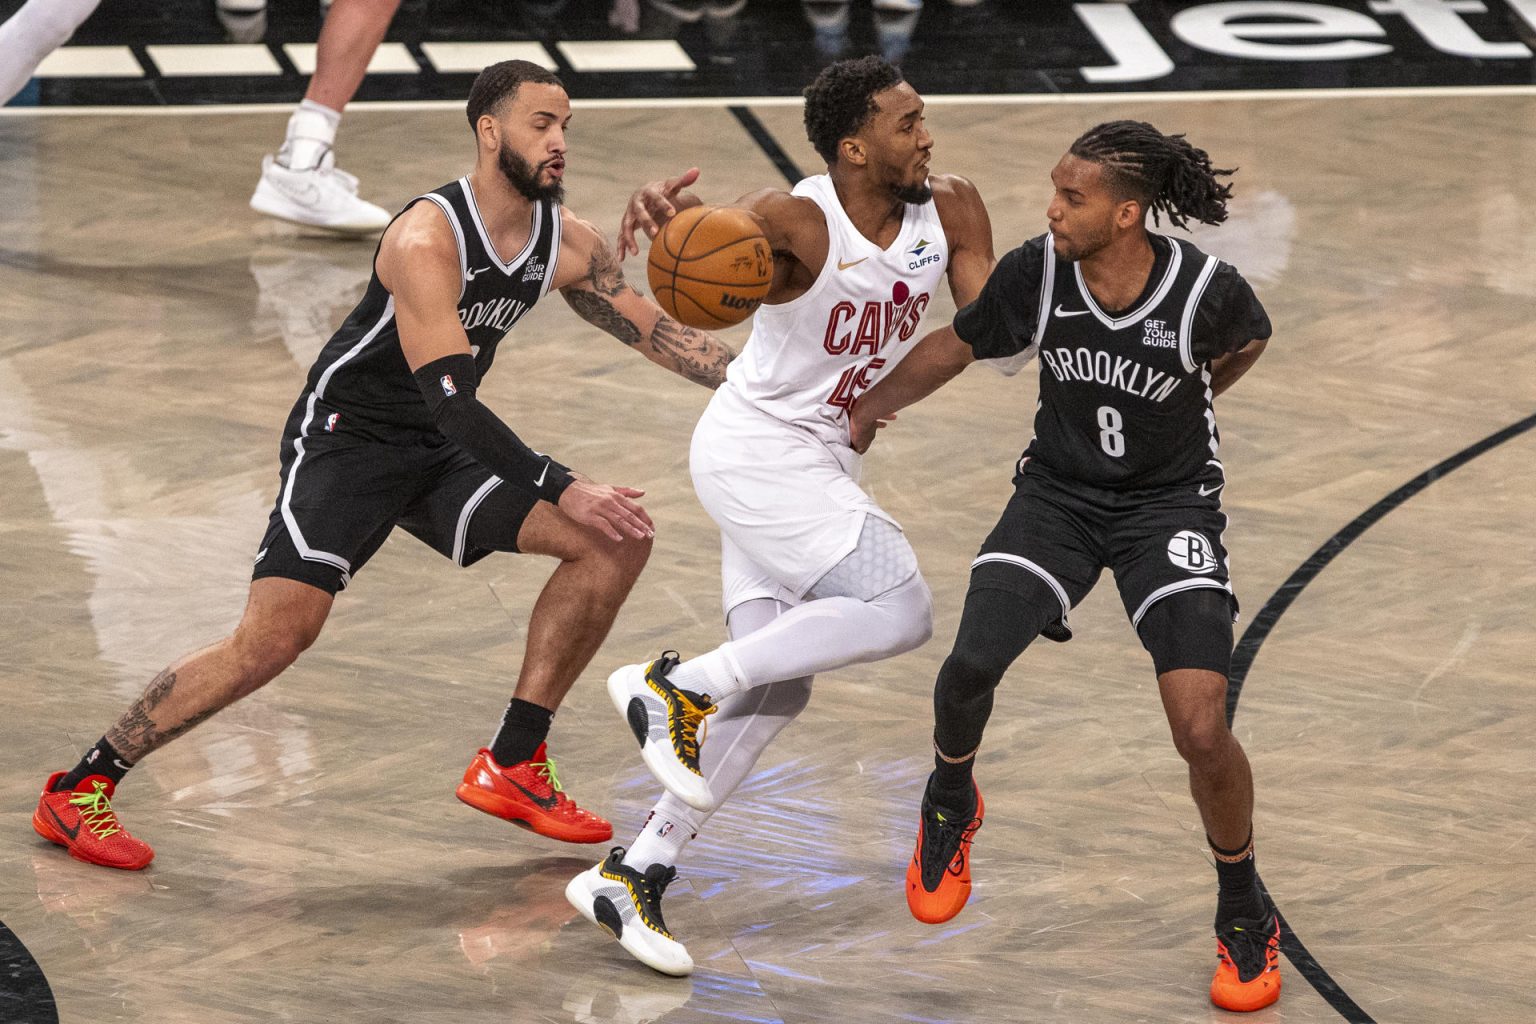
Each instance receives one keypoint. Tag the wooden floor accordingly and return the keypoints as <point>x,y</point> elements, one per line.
<point>313,864</point>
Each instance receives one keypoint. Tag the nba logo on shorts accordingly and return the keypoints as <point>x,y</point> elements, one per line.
<point>331,421</point>
<point>447,383</point>
<point>1192,552</point>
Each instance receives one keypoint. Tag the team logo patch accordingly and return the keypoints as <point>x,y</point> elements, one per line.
<point>331,421</point>
<point>917,250</point>
<point>447,382</point>
<point>1191,552</point>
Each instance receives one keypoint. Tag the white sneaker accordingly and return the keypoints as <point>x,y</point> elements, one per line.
<point>666,721</point>
<point>903,6</point>
<point>321,197</point>
<point>627,905</point>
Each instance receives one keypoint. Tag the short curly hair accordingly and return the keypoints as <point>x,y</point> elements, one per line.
<point>842,100</point>
<point>500,82</point>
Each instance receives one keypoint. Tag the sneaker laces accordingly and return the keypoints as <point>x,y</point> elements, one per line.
<point>1246,947</point>
<point>950,836</point>
<point>96,811</point>
<point>689,720</point>
<point>546,769</point>
<point>653,885</point>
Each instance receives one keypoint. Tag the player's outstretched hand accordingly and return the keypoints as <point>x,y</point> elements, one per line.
<point>862,429</point>
<point>609,510</point>
<point>650,208</point>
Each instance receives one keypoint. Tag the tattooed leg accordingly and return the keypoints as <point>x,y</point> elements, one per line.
<point>282,618</point>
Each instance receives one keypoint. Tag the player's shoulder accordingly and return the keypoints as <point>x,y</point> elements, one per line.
<point>954,191</point>
<point>421,232</point>
<point>778,204</point>
<point>578,233</point>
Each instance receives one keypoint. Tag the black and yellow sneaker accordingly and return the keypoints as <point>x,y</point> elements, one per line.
<point>667,721</point>
<point>626,904</point>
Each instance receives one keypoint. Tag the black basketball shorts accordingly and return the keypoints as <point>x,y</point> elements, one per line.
<point>342,492</point>
<point>1062,533</point>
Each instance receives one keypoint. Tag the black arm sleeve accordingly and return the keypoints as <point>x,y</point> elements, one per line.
<point>1002,320</point>
<point>448,387</point>
<point>1229,317</point>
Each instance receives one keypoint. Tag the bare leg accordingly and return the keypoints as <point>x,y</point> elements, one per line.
<point>348,39</point>
<point>579,603</point>
<point>1219,777</point>
<point>282,618</point>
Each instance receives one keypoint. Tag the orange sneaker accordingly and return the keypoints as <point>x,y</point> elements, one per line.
<point>1248,964</point>
<point>82,821</point>
<point>529,794</point>
<point>939,877</point>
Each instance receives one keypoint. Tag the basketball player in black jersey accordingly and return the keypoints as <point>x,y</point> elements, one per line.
<point>389,432</point>
<point>1137,333</point>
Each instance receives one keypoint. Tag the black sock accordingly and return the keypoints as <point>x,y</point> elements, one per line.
<point>101,759</point>
<point>1238,880</point>
<point>523,728</point>
<point>952,786</point>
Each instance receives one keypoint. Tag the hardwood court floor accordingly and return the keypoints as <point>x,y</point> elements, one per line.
<point>313,864</point>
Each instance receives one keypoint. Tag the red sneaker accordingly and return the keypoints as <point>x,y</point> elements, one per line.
<point>939,874</point>
<point>529,794</point>
<point>82,821</point>
<point>1247,965</point>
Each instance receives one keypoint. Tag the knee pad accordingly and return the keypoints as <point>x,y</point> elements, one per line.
<point>880,563</point>
<point>1190,629</point>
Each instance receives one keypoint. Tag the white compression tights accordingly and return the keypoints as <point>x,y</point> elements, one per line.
<point>735,737</point>
<point>32,33</point>
<point>871,605</point>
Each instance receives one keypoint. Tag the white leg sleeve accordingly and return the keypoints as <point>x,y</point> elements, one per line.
<point>871,605</point>
<point>735,737</point>
<point>32,33</point>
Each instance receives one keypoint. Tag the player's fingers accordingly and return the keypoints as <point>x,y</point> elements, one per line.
<point>630,492</point>
<point>639,513</point>
<point>682,181</point>
<point>647,223</point>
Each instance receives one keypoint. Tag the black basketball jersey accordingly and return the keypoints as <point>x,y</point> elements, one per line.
<point>1125,397</point>
<point>361,375</point>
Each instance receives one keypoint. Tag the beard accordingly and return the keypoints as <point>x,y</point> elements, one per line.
<point>524,177</point>
<point>916,194</point>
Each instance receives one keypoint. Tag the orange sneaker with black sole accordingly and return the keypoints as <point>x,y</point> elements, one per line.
<point>82,821</point>
<point>529,794</point>
<point>939,876</point>
<point>1248,964</point>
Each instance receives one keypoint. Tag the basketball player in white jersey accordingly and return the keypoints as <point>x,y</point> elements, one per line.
<point>816,575</point>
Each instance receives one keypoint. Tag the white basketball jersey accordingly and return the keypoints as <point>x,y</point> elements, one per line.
<point>808,359</point>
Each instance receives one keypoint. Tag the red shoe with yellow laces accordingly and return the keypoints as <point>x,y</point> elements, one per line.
<point>529,794</point>
<point>82,821</point>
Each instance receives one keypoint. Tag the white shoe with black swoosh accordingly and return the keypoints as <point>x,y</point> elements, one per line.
<point>626,904</point>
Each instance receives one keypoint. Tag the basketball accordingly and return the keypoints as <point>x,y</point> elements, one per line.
<point>710,266</point>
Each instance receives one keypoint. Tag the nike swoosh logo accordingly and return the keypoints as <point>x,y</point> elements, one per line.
<point>546,802</point>
<point>470,275</point>
<point>1075,312</point>
<point>71,832</point>
<point>1207,492</point>
<point>539,483</point>
<point>844,266</point>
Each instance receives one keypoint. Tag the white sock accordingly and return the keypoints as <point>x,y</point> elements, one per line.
<point>667,830</point>
<point>713,674</point>
<point>32,33</point>
<point>311,132</point>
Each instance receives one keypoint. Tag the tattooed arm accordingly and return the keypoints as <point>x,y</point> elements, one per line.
<point>592,282</point>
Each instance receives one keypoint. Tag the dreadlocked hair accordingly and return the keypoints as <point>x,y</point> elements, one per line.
<point>842,100</point>
<point>1164,173</point>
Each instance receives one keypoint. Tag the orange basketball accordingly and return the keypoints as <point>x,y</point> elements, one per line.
<point>710,266</point>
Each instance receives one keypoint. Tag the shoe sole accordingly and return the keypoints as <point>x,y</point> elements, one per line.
<point>507,810</point>
<point>43,828</point>
<point>281,209</point>
<point>1266,998</point>
<point>579,896</point>
<point>678,781</point>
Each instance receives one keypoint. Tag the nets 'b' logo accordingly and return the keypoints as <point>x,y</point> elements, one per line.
<point>1192,552</point>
